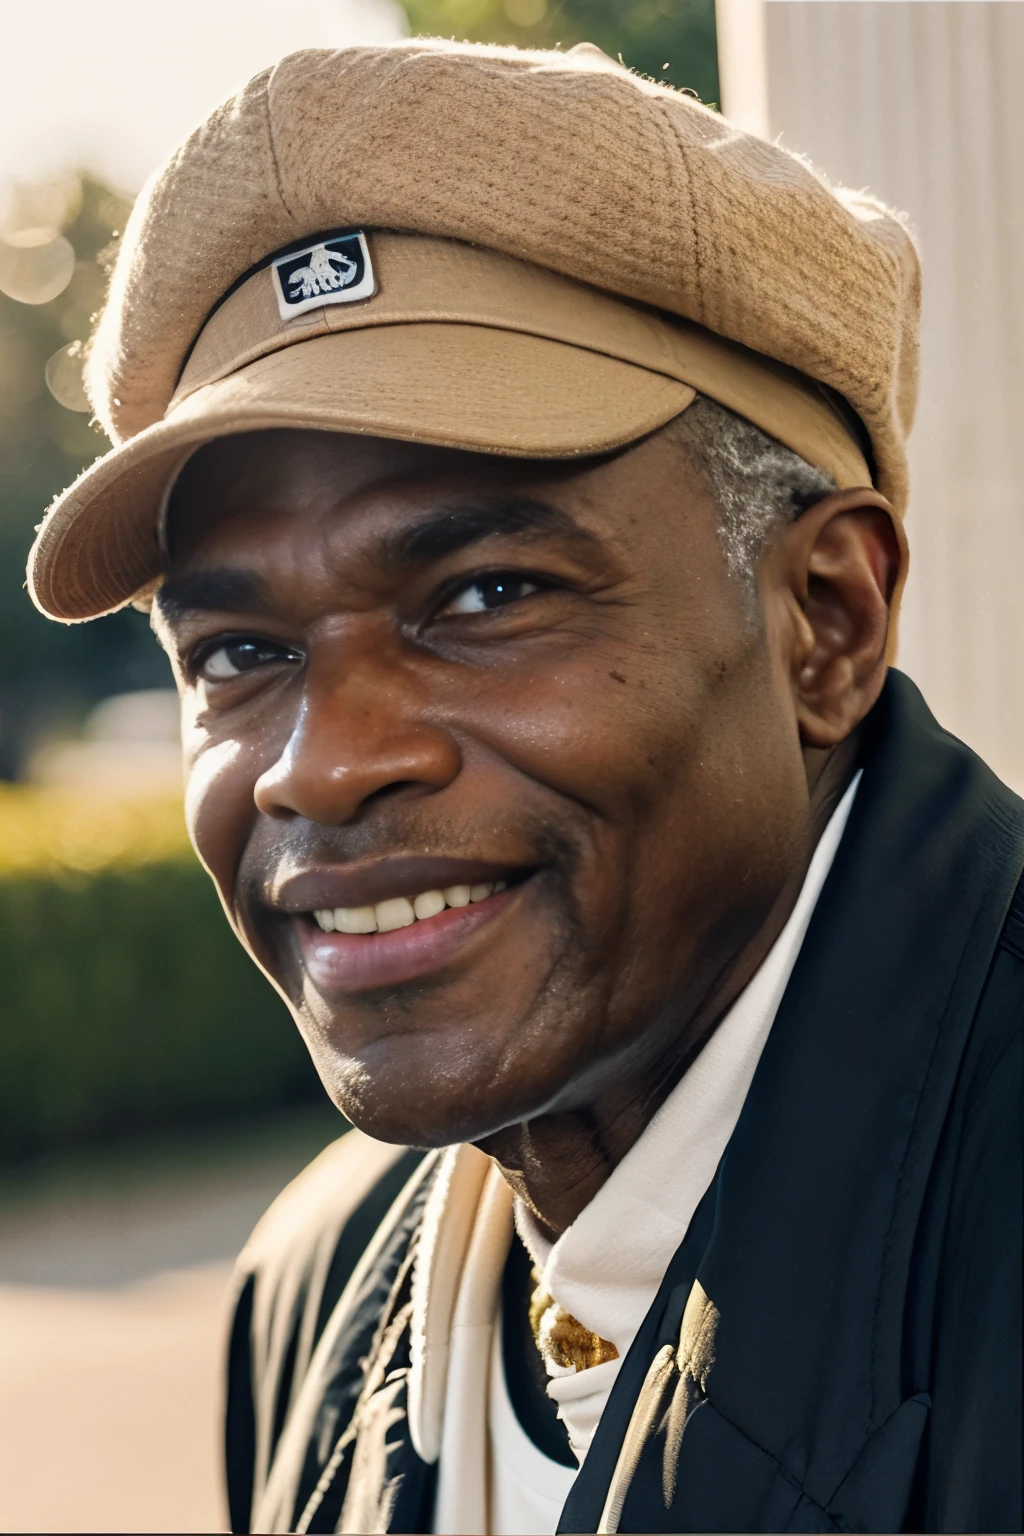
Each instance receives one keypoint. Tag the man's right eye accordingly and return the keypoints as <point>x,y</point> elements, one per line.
<point>233,657</point>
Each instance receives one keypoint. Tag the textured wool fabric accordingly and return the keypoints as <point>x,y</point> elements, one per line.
<point>565,160</point>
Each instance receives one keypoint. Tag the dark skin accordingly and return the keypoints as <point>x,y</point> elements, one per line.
<point>391,653</point>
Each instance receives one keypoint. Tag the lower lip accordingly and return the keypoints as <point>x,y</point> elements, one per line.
<point>358,962</point>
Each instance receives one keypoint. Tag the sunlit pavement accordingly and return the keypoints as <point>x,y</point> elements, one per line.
<point>113,1275</point>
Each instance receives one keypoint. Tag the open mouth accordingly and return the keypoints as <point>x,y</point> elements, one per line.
<point>401,938</point>
<point>403,911</point>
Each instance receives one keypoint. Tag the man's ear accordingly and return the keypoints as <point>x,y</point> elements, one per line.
<point>830,581</point>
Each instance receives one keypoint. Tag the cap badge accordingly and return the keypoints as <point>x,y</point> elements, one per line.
<point>334,271</point>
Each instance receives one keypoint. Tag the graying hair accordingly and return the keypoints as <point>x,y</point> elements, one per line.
<point>756,484</point>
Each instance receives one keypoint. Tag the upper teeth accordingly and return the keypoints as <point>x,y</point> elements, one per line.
<point>399,911</point>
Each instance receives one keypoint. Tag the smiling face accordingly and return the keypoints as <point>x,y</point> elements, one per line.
<point>494,773</point>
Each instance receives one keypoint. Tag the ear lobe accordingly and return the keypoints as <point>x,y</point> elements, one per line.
<point>845,558</point>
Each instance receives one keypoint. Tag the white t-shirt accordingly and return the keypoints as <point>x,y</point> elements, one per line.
<point>527,1488</point>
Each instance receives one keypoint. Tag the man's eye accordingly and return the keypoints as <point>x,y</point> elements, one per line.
<point>489,592</point>
<point>234,657</point>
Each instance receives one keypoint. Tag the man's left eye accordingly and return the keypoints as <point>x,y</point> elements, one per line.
<point>486,593</point>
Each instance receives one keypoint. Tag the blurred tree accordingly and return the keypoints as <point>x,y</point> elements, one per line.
<point>670,40</point>
<point>49,675</point>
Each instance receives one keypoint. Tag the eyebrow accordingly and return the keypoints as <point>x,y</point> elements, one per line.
<point>450,529</point>
<point>222,589</point>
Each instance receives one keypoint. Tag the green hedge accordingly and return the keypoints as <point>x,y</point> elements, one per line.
<point>129,1006</point>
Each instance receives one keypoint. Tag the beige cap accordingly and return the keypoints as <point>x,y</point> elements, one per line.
<point>535,254</point>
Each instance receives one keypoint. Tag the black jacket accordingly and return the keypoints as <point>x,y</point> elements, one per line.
<point>851,1354</point>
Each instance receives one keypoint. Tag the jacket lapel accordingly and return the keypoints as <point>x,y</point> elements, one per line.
<point>351,1410</point>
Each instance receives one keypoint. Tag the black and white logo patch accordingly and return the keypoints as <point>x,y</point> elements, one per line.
<point>333,271</point>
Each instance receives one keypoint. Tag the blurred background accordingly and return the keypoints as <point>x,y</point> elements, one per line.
<point>153,1094</point>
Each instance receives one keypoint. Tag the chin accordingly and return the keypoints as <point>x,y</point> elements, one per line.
<point>407,1101</point>
<point>418,1124</point>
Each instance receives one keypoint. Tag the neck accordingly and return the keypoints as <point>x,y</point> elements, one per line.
<point>556,1163</point>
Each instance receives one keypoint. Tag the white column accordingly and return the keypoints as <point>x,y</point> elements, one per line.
<point>743,63</point>
<point>920,100</point>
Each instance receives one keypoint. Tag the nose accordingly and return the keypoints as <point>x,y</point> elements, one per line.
<point>360,731</point>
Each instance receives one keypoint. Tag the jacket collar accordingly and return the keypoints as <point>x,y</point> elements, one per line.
<point>818,1197</point>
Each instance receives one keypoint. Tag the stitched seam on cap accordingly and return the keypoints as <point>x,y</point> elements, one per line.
<point>670,130</point>
<point>273,147</point>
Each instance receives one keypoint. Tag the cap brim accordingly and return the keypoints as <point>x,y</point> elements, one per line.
<point>456,386</point>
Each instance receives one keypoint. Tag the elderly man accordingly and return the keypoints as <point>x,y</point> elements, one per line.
<point>512,455</point>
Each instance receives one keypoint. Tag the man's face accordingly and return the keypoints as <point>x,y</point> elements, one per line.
<point>407,670</point>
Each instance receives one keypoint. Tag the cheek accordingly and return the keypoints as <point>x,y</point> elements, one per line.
<point>624,747</point>
<point>578,725</point>
<point>683,759</point>
<point>219,806</point>
<point>611,726</point>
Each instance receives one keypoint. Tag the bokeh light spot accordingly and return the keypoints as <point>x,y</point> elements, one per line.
<point>64,378</point>
<point>35,274</point>
<point>525,13</point>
